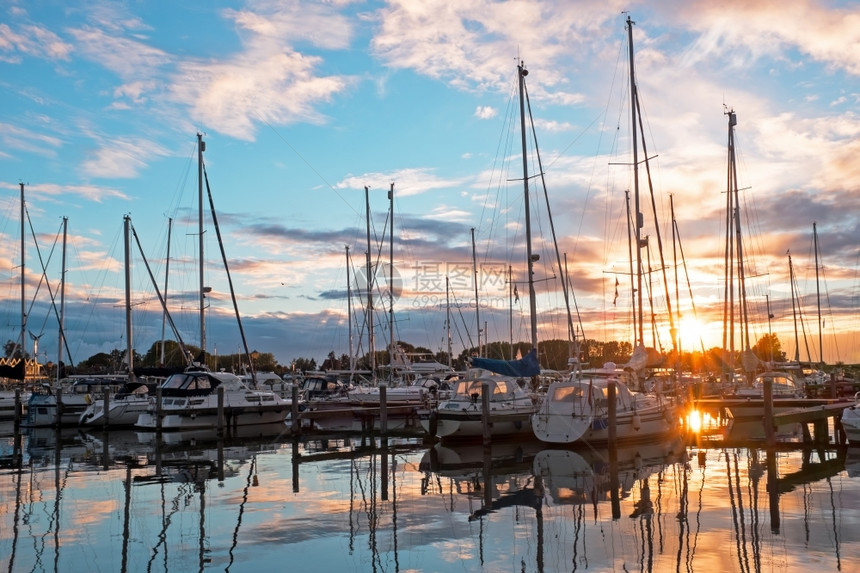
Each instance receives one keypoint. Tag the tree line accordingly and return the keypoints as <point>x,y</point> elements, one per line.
<point>552,355</point>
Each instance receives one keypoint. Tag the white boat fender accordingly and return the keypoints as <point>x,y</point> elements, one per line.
<point>637,423</point>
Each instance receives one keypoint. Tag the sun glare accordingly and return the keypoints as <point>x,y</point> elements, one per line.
<point>691,333</point>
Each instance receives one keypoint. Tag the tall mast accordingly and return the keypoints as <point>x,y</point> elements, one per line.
<point>448,319</point>
<point>818,294</point>
<point>128,330</point>
<point>793,309</point>
<point>511,309</point>
<point>523,72</point>
<point>62,332</point>
<point>201,147</point>
<point>633,289</point>
<point>739,248</point>
<point>23,280</point>
<point>166,276</point>
<point>369,287</point>
<point>637,212</point>
<point>349,316</point>
<point>391,284</point>
<point>477,301</point>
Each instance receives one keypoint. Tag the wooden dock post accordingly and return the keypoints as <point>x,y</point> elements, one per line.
<point>613,448</point>
<point>58,421</point>
<point>485,412</point>
<point>106,406</point>
<point>158,409</point>
<point>220,424</point>
<point>767,394</point>
<point>294,412</point>
<point>19,409</point>
<point>383,409</point>
<point>612,414</point>
<point>773,490</point>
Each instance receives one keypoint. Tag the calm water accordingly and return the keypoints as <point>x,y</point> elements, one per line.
<point>77,502</point>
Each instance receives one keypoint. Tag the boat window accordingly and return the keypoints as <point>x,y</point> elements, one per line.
<point>567,394</point>
<point>175,381</point>
<point>199,383</point>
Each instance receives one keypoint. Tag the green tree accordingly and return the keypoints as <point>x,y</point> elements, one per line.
<point>769,349</point>
<point>12,350</point>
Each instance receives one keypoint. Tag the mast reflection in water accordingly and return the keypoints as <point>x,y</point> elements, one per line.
<point>129,502</point>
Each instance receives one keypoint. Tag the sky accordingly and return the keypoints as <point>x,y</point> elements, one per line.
<point>303,105</point>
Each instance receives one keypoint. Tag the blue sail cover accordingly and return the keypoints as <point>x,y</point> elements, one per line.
<point>524,367</point>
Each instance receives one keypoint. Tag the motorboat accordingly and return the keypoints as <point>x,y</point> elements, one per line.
<point>63,404</point>
<point>193,399</point>
<point>123,408</point>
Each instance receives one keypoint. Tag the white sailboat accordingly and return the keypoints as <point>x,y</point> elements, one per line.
<point>576,409</point>
<point>510,405</point>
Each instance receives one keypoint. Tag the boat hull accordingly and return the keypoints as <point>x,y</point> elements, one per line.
<point>450,425</point>
<point>629,426</point>
<point>121,413</point>
<point>42,410</point>
<point>851,424</point>
<point>192,413</point>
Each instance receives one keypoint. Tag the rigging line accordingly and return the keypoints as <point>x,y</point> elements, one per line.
<point>305,161</point>
<point>564,284</point>
<point>687,277</point>
<point>44,278</point>
<point>229,276</point>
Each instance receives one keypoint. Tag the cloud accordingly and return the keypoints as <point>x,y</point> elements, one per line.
<point>407,181</point>
<point>485,112</point>
<point>31,41</point>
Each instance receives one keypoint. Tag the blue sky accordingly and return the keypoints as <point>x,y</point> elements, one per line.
<point>303,104</point>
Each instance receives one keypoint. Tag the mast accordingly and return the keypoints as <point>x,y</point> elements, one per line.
<point>530,259</point>
<point>793,309</point>
<point>633,289</point>
<point>637,210</point>
<point>23,280</point>
<point>369,287</point>
<point>448,318</point>
<point>675,264</point>
<point>391,286</point>
<point>818,295</point>
<point>477,301</point>
<point>201,147</point>
<point>62,333</point>
<point>349,316</point>
<point>511,310</point>
<point>733,189</point>
<point>127,250</point>
<point>166,275</point>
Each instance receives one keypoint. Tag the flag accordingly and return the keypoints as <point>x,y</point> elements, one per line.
<point>614,300</point>
<point>516,294</point>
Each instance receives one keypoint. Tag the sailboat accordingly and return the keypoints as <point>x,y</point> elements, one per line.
<point>498,383</point>
<point>197,398</point>
<point>576,409</point>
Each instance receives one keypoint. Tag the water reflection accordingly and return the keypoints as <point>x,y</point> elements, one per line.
<point>129,501</point>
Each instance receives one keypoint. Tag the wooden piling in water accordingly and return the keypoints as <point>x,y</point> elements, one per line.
<point>158,409</point>
<point>106,406</point>
<point>220,423</point>
<point>383,409</point>
<point>485,412</point>
<point>59,416</point>
<point>19,409</point>
<point>612,414</point>
<point>767,394</point>
<point>294,411</point>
